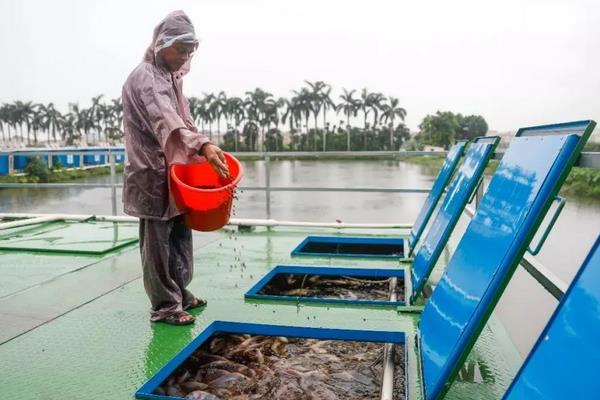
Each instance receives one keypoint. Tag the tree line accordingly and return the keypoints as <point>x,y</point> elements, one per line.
<point>444,128</point>
<point>254,122</point>
<point>22,123</point>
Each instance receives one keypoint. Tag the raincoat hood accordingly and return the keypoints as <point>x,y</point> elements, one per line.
<point>175,28</point>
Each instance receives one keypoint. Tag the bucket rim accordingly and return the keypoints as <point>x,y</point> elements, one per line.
<point>233,183</point>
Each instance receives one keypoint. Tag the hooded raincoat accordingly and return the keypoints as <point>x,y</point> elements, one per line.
<point>159,131</point>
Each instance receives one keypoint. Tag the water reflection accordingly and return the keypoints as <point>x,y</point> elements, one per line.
<point>475,372</point>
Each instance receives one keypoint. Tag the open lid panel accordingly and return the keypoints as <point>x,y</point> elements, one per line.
<point>565,128</point>
<point>436,192</point>
<point>518,197</point>
<point>461,188</point>
<point>564,362</point>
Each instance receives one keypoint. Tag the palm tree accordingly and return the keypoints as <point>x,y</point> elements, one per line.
<point>293,113</point>
<point>251,109</point>
<point>52,120</point>
<point>234,109</point>
<point>302,101</point>
<point>315,101</point>
<point>327,102</point>
<point>95,116</point>
<point>218,105</point>
<point>23,115</point>
<point>4,117</point>
<point>269,115</point>
<point>81,121</point>
<point>37,121</point>
<point>370,102</point>
<point>209,111</point>
<point>69,132</point>
<point>193,103</point>
<point>112,115</point>
<point>389,113</point>
<point>11,119</point>
<point>376,103</point>
<point>364,104</point>
<point>349,106</point>
<point>117,114</point>
<point>258,104</point>
<point>199,111</point>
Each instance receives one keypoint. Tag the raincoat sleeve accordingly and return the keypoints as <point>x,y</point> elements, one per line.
<point>179,142</point>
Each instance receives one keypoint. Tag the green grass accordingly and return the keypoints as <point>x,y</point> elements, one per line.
<point>583,182</point>
<point>61,175</point>
<point>433,162</point>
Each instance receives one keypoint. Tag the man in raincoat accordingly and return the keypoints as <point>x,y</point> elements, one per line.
<point>160,131</point>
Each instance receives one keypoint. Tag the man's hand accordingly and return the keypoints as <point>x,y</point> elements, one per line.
<point>214,155</point>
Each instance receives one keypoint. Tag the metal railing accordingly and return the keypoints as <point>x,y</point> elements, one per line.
<point>540,273</point>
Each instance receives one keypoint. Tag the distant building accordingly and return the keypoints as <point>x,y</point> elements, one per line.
<point>505,137</point>
<point>433,148</point>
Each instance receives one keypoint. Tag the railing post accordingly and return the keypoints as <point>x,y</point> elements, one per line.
<point>11,163</point>
<point>479,193</point>
<point>268,185</point>
<point>113,182</point>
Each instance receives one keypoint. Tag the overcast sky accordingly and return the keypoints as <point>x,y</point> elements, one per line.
<point>517,63</point>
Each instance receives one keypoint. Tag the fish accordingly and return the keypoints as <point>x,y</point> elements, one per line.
<point>297,292</point>
<point>201,395</point>
<point>229,366</point>
<point>259,356</point>
<point>279,347</point>
<point>191,386</point>
<point>174,391</point>
<point>317,347</point>
<point>217,345</point>
<point>227,379</point>
<point>214,373</point>
<point>203,357</point>
<point>184,377</point>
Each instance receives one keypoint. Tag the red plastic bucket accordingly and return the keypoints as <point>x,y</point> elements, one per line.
<point>206,197</point>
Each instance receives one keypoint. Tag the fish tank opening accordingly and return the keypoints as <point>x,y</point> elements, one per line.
<point>339,287</point>
<point>236,366</point>
<point>351,247</point>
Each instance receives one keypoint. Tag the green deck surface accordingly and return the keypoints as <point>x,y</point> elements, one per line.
<point>82,331</point>
<point>19,273</point>
<point>93,238</point>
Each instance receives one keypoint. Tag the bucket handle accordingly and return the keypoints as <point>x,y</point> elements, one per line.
<point>538,247</point>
